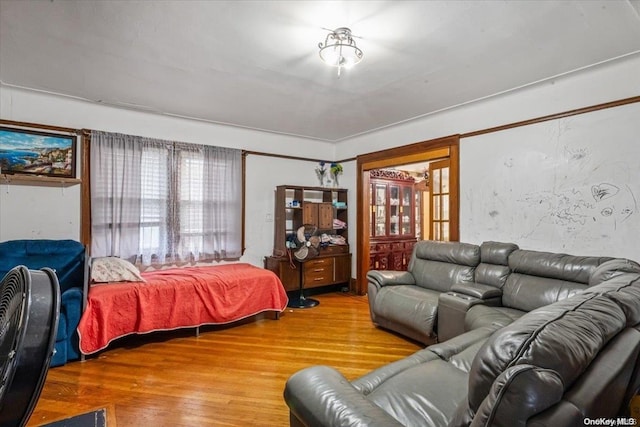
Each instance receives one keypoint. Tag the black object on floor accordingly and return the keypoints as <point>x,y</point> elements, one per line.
<point>90,419</point>
<point>302,302</point>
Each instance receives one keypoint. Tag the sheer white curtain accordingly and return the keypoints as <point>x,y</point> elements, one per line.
<point>162,202</point>
<point>209,202</point>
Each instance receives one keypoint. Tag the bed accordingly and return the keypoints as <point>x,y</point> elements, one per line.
<point>176,298</point>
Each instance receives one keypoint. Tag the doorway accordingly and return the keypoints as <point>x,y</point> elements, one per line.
<point>439,149</point>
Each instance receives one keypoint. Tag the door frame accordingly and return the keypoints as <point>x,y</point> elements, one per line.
<point>441,148</point>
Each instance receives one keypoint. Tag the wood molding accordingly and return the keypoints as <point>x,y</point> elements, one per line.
<point>243,208</point>
<point>304,159</point>
<point>409,153</point>
<point>422,151</point>
<point>38,126</point>
<point>554,116</point>
<point>18,178</point>
<point>391,174</point>
<point>85,190</point>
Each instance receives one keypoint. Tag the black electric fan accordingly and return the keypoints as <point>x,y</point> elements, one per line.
<point>29,309</point>
<point>307,247</point>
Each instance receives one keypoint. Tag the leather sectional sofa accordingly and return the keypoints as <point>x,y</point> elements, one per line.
<point>532,338</point>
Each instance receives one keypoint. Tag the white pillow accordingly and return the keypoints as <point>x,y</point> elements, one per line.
<point>113,269</point>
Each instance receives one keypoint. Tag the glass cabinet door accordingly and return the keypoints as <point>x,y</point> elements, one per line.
<point>379,213</point>
<point>394,210</point>
<point>406,211</point>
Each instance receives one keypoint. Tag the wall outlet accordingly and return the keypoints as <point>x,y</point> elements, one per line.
<point>269,218</point>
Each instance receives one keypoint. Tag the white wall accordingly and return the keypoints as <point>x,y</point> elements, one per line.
<point>567,185</point>
<point>263,175</point>
<point>606,82</point>
<point>39,212</point>
<point>37,107</point>
<point>26,212</point>
<point>29,211</point>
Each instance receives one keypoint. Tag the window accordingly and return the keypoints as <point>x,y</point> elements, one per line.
<point>162,202</point>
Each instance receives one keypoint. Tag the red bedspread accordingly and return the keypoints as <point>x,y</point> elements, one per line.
<point>177,298</point>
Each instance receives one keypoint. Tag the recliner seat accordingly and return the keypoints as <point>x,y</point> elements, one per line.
<point>407,301</point>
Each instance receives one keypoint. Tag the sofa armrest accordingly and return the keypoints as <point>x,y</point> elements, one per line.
<point>390,277</point>
<point>321,396</point>
<point>517,394</point>
<point>71,309</point>
<point>477,290</point>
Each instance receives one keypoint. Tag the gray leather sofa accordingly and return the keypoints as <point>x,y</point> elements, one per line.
<point>406,301</point>
<point>540,339</point>
<point>452,287</point>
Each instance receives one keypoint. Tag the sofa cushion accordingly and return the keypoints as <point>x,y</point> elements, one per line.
<point>496,253</point>
<point>624,289</point>
<point>427,394</point>
<point>564,337</point>
<point>439,265</point>
<point>494,263</point>
<point>526,293</point>
<point>480,316</point>
<point>610,269</point>
<point>559,266</point>
<point>542,278</point>
<point>518,393</point>
<point>599,390</point>
<point>407,305</point>
<point>459,351</point>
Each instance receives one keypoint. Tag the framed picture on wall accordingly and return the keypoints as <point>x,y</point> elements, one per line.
<point>26,151</point>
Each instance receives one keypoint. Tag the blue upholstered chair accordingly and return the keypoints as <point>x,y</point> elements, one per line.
<point>67,259</point>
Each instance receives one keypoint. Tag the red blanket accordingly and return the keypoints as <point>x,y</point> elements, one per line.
<point>177,298</point>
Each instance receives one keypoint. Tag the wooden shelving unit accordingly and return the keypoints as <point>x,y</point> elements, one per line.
<point>319,206</point>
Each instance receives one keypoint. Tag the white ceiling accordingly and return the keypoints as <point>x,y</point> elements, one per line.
<point>255,64</point>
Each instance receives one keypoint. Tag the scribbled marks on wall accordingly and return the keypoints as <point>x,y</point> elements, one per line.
<point>575,209</point>
<point>608,211</point>
<point>576,154</point>
<point>572,184</point>
<point>623,207</point>
<point>604,191</point>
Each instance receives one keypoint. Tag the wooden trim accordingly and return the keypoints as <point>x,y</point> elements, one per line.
<point>363,223</point>
<point>282,156</point>
<point>10,178</point>
<point>244,200</point>
<point>393,155</point>
<point>39,126</point>
<point>304,159</point>
<point>350,159</point>
<point>438,153</point>
<point>85,191</point>
<point>421,151</point>
<point>555,116</point>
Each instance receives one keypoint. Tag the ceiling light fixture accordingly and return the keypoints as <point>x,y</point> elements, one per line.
<point>340,50</point>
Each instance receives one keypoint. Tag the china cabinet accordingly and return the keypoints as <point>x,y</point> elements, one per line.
<point>392,231</point>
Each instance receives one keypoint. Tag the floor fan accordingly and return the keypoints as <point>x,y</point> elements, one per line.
<point>29,309</point>
<point>307,247</point>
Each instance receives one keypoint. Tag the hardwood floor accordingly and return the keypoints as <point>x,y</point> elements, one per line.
<point>231,376</point>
